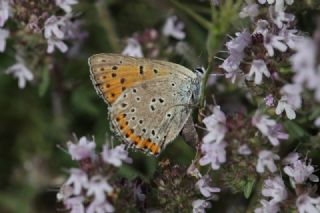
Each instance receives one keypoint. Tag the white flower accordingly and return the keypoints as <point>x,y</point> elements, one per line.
<point>116,155</point>
<point>304,62</point>
<point>279,6</point>
<point>258,69</point>
<point>78,180</point>
<point>283,105</point>
<point>4,34</point>
<point>275,189</point>
<point>267,207</point>
<point>97,187</point>
<point>52,27</point>
<point>52,43</point>
<point>66,4</point>
<point>21,72</point>
<point>291,158</point>
<point>4,11</point>
<point>216,125</point>
<point>263,122</point>
<point>281,18</point>
<point>300,171</point>
<point>100,207</point>
<point>266,159</point>
<point>133,48</point>
<point>317,122</point>
<point>293,94</point>
<point>75,204</point>
<point>199,206</point>
<point>205,189</point>
<point>214,154</point>
<point>290,37</point>
<point>307,204</point>
<point>262,27</point>
<point>174,28</point>
<point>250,10</point>
<point>65,192</point>
<point>236,48</point>
<point>244,150</point>
<point>269,128</point>
<point>272,42</point>
<point>82,150</point>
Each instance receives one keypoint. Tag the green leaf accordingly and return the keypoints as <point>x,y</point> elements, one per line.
<point>248,188</point>
<point>294,130</point>
<point>315,113</point>
<point>45,81</point>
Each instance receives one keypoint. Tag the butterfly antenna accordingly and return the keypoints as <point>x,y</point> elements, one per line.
<point>62,148</point>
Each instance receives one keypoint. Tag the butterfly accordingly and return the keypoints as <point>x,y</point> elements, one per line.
<point>149,101</point>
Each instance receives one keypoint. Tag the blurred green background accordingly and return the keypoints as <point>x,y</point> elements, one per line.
<point>61,101</point>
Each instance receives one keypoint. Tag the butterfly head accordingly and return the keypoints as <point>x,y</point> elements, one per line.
<point>199,71</point>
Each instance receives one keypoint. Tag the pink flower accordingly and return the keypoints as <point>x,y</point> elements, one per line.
<point>285,106</point>
<point>214,154</point>
<point>4,12</point>
<point>269,100</point>
<point>199,206</point>
<point>174,28</point>
<point>244,150</point>
<point>78,180</point>
<point>250,10</point>
<point>267,207</point>
<point>205,189</point>
<point>21,72</point>
<point>266,159</point>
<point>53,27</point>
<point>66,4</point>
<point>52,43</point>
<point>258,69</point>
<point>133,48</point>
<point>275,189</point>
<point>100,207</point>
<point>116,155</point>
<point>269,128</point>
<point>75,204</point>
<point>236,48</point>
<point>4,34</point>
<point>216,126</point>
<point>82,150</point>
<point>307,204</point>
<point>98,187</point>
<point>279,4</point>
<point>300,171</point>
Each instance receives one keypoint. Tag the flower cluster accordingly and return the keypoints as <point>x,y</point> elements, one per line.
<point>274,35</point>
<point>280,197</point>
<point>151,41</point>
<point>39,24</point>
<point>89,189</point>
<point>213,146</point>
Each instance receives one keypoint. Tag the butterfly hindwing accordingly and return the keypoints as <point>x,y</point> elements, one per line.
<point>151,114</point>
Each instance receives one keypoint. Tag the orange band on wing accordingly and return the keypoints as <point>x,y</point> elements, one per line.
<point>136,139</point>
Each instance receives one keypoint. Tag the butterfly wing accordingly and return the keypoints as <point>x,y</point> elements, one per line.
<point>112,74</point>
<point>149,100</point>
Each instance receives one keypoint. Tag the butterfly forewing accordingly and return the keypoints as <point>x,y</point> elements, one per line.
<point>149,100</point>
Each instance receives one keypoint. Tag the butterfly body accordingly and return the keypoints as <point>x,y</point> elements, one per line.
<point>149,101</point>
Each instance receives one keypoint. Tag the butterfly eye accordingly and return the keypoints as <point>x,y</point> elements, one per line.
<point>200,70</point>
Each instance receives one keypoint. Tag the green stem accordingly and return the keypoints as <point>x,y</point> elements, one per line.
<point>107,24</point>
<point>203,22</point>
